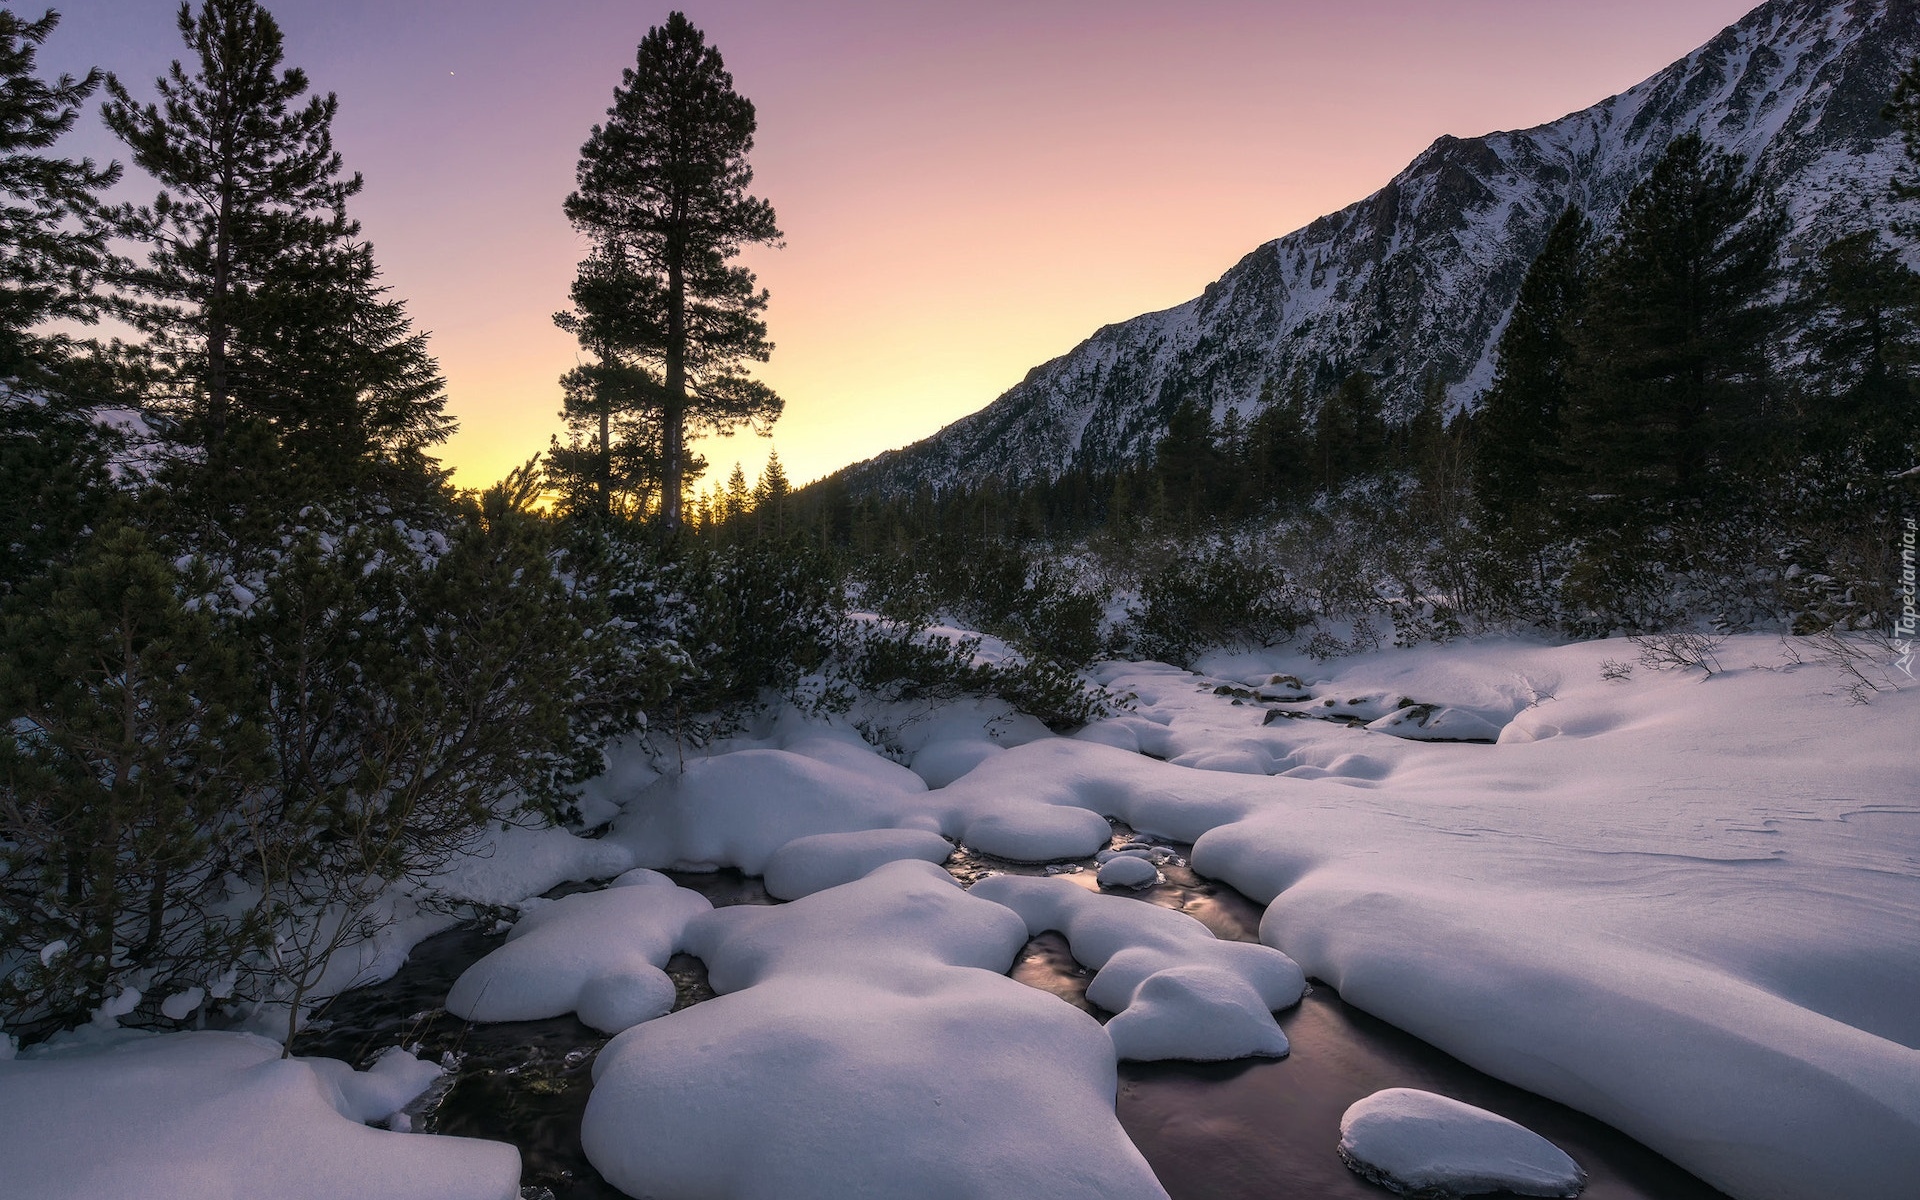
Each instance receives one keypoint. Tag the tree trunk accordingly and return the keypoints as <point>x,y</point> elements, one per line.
<point>673,424</point>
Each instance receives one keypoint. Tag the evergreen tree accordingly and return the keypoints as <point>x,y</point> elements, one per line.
<point>1350,432</point>
<point>52,244</point>
<point>1861,336</point>
<point>1187,462</point>
<point>257,297</point>
<point>1520,419</point>
<point>772,496</point>
<point>1674,337</point>
<point>663,192</point>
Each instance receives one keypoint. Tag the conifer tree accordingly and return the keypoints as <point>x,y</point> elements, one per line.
<point>1862,341</point>
<point>771,497</point>
<point>1675,333</point>
<point>52,244</point>
<point>1349,433</point>
<point>258,297</point>
<point>1520,420</point>
<point>662,190</point>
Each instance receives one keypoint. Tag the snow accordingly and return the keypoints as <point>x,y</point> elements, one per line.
<point>813,864</point>
<point>1127,872</point>
<point>1413,1141</point>
<point>221,1116</point>
<point>1687,908</point>
<point>515,862</point>
<point>1176,990</point>
<point>865,1043</point>
<point>598,954</point>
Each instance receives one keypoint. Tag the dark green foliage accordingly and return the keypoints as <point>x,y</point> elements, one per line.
<point>1520,418</point>
<point>1212,595</point>
<point>901,661</point>
<point>1349,433</point>
<point>1861,333</point>
<point>661,303</point>
<point>52,244</point>
<point>1674,340</point>
<point>55,464</point>
<point>258,299</point>
<point>132,751</point>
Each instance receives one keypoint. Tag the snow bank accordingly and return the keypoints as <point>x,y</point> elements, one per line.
<point>1412,1141</point>
<point>814,864</point>
<point>598,954</point>
<point>516,862</point>
<point>865,1044</point>
<point>221,1116</point>
<point>1178,991</point>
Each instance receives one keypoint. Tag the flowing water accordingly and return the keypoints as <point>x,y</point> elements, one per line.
<point>1259,1128</point>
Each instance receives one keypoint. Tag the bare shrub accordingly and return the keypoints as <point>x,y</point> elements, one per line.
<point>1680,652</point>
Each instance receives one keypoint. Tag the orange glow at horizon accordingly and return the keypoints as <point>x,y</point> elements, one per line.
<point>967,189</point>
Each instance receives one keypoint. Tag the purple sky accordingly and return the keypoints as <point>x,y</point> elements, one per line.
<point>967,189</point>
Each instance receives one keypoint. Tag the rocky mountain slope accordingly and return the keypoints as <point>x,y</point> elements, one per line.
<point>1416,280</point>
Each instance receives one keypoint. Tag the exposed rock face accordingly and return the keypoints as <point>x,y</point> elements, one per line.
<point>1417,279</point>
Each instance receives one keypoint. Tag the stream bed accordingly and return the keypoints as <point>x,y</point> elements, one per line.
<point>1256,1128</point>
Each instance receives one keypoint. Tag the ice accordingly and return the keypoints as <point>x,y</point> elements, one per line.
<point>1413,1141</point>
<point>597,954</point>
<point>866,1043</point>
<point>813,864</point>
<point>222,1116</point>
<point>1178,991</point>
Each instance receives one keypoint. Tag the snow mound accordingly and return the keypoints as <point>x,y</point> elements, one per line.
<point>865,1044</point>
<point>1127,871</point>
<point>738,808</point>
<point>1434,723</point>
<point>824,860</point>
<point>220,1116</point>
<point>598,954</point>
<point>516,862</point>
<point>1179,992</point>
<point>1413,1141</point>
<point>940,763</point>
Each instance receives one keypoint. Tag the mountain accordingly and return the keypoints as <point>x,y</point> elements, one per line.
<point>1416,281</point>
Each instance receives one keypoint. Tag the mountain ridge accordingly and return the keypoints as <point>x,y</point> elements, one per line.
<point>1416,280</point>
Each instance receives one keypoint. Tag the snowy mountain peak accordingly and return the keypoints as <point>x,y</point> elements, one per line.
<point>1417,279</point>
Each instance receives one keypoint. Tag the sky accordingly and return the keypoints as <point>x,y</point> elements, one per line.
<point>967,188</point>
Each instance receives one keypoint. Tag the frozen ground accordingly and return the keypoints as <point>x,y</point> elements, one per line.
<point>1690,908</point>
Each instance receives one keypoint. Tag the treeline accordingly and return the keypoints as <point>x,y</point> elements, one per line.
<point>1687,424</point>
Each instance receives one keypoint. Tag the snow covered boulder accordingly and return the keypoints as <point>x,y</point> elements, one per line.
<point>737,809</point>
<point>221,1116</point>
<point>1416,1142</point>
<point>824,860</point>
<point>1432,723</point>
<point>598,954</point>
<point>1127,871</point>
<point>866,1043</point>
<point>1178,991</point>
<point>940,763</point>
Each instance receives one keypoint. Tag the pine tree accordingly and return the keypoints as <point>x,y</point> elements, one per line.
<point>1349,432</point>
<point>258,298</point>
<point>1520,420</point>
<point>1187,462</point>
<point>772,496</point>
<point>1674,338</point>
<point>1862,342</point>
<point>52,243</point>
<point>663,193</point>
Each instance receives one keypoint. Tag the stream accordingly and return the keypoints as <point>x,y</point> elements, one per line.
<point>1255,1128</point>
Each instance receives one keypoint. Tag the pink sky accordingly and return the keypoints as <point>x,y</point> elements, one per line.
<point>967,189</point>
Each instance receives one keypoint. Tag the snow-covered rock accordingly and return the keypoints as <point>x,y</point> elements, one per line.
<point>1416,1142</point>
<point>866,1043</point>
<point>1127,871</point>
<point>597,954</point>
<point>814,864</point>
<point>1435,723</point>
<point>221,1116</point>
<point>1178,991</point>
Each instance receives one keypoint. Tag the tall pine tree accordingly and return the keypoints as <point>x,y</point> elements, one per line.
<point>258,297</point>
<point>1519,425</point>
<point>1904,111</point>
<point>1675,335</point>
<point>663,193</point>
<point>52,244</point>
